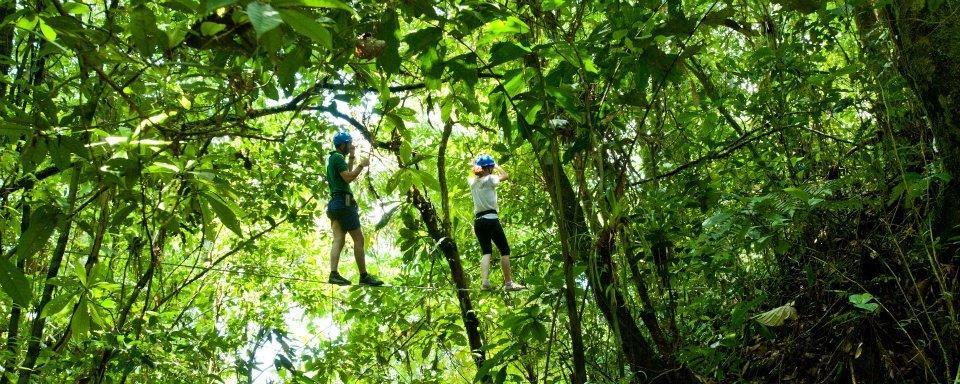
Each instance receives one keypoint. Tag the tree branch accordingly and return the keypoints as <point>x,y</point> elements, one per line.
<point>727,151</point>
<point>30,180</point>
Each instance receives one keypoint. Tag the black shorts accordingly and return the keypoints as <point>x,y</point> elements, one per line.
<point>490,230</point>
<point>343,210</point>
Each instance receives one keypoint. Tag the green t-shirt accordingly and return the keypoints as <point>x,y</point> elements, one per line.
<point>336,163</point>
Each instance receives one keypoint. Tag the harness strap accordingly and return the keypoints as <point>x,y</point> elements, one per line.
<point>482,213</point>
<point>347,198</point>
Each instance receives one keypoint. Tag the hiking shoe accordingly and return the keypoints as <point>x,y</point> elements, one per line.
<point>368,279</point>
<point>335,278</point>
<point>511,286</point>
<point>486,286</point>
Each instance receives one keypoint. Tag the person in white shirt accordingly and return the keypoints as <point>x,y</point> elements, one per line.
<point>486,224</point>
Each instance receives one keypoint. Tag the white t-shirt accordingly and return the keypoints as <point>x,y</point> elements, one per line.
<point>484,192</point>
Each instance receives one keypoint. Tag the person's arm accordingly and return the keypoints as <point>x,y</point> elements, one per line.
<point>351,174</point>
<point>501,174</point>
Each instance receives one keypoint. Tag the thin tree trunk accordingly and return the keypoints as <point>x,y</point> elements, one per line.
<point>644,363</point>
<point>450,251</point>
<point>7,8</point>
<point>16,312</point>
<point>99,373</point>
<point>648,313</point>
<point>570,287</point>
<point>439,230</point>
<point>92,258</point>
<point>39,322</point>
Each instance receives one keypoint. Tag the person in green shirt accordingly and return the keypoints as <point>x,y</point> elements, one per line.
<point>342,208</point>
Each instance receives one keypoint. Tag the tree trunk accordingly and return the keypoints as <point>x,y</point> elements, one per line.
<point>648,313</point>
<point>929,58</point>
<point>450,251</point>
<point>644,363</point>
<point>570,288</point>
<point>39,322</point>
<point>16,312</point>
<point>7,8</point>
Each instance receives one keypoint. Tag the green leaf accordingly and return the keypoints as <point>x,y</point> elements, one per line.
<point>143,29</point>
<point>58,304</point>
<point>418,8</point>
<point>75,8</point>
<point>213,5</point>
<point>121,215</point>
<point>28,23</point>
<point>188,6</point>
<point>263,17</point>
<point>13,130</point>
<point>80,324</point>
<point>163,168</point>
<point>549,5</point>
<point>291,64</point>
<point>531,114</point>
<point>307,26</point>
<point>802,6</point>
<point>777,316</point>
<point>223,211</point>
<point>389,60</point>
<point>60,155</point>
<point>175,35</point>
<point>426,178</point>
<point>333,4</point>
<point>509,26</point>
<point>209,28</point>
<point>517,81</point>
<point>423,39</point>
<point>718,218</point>
<point>42,223</point>
<point>81,273</point>
<point>505,51</point>
<point>798,193</point>
<point>464,68</point>
<point>47,31</point>
<point>863,301</point>
<point>14,283</point>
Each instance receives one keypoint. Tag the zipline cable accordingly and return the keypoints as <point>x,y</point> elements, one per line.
<point>244,271</point>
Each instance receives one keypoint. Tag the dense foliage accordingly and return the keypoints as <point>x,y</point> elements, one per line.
<point>711,191</point>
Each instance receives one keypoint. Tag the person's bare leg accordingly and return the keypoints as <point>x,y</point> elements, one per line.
<point>358,250</point>
<point>485,270</point>
<point>505,266</point>
<point>508,282</point>
<point>339,237</point>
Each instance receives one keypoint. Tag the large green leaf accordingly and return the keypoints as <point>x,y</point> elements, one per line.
<point>333,4</point>
<point>423,39</point>
<point>864,302</point>
<point>59,304</point>
<point>307,26</point>
<point>209,28</point>
<point>143,28</point>
<point>42,223</point>
<point>389,60</point>
<point>213,5</point>
<point>505,51</point>
<point>508,26</point>
<point>14,283</point>
<point>777,316</point>
<point>80,323</point>
<point>292,63</point>
<point>263,17</point>
<point>223,211</point>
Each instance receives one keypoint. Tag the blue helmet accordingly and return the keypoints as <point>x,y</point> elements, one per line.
<point>341,138</point>
<point>485,161</point>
